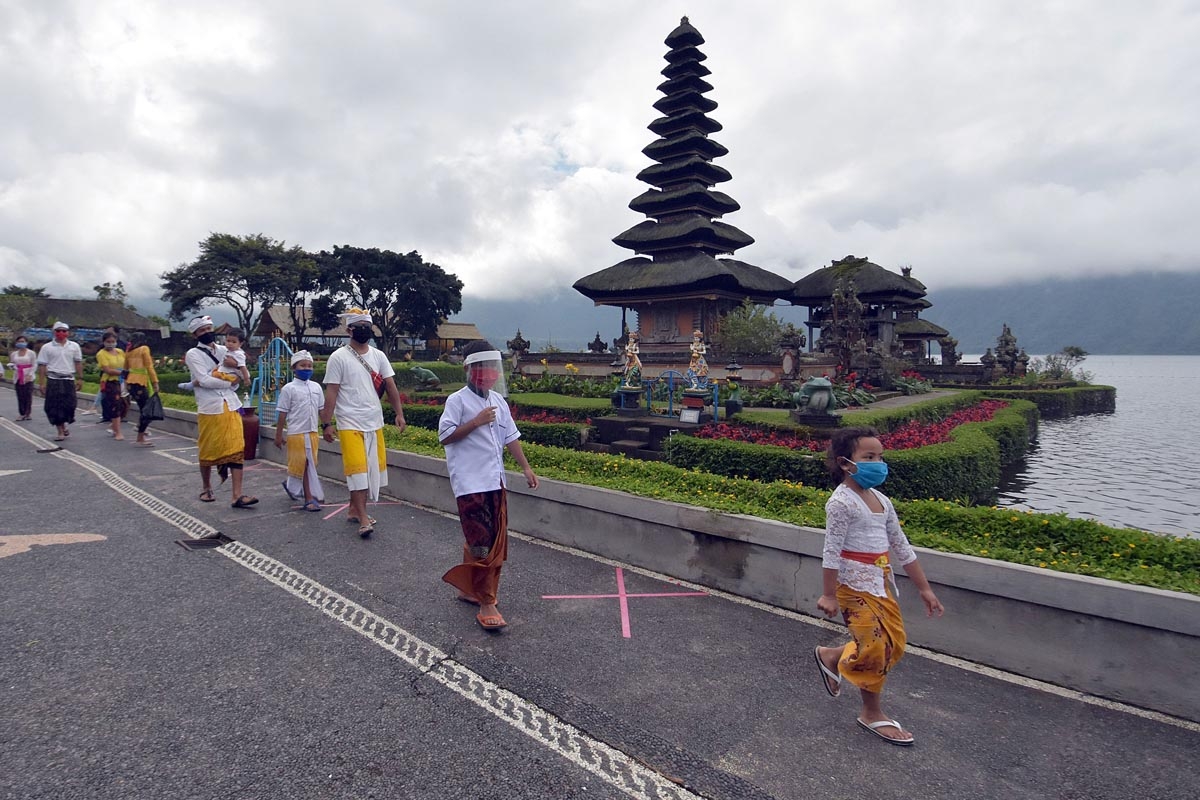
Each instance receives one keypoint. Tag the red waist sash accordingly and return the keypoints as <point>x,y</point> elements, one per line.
<point>875,559</point>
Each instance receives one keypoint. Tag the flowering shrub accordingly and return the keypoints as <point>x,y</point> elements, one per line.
<point>912,382</point>
<point>848,391</point>
<point>913,433</point>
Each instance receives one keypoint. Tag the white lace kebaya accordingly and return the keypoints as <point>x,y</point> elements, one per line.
<point>851,526</point>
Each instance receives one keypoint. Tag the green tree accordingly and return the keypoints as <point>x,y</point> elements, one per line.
<point>24,291</point>
<point>246,273</point>
<point>109,291</point>
<point>748,329</point>
<point>17,312</point>
<point>323,314</point>
<point>403,293</point>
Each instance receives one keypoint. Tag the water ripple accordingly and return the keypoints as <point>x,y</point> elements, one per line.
<point>1132,468</point>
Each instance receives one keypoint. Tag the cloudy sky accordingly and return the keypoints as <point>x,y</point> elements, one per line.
<point>980,142</point>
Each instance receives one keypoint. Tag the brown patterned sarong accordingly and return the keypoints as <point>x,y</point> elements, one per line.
<point>484,518</point>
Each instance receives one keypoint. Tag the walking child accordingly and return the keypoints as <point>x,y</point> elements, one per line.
<point>476,427</point>
<point>299,410</point>
<point>861,528</point>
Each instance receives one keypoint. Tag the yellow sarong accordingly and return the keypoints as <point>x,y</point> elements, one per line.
<point>879,637</point>
<point>298,455</point>
<point>221,438</point>
<point>364,461</point>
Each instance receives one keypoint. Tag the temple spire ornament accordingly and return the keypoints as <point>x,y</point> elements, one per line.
<point>681,278</point>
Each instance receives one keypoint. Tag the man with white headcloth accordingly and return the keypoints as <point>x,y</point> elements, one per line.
<point>222,443</point>
<point>356,376</point>
<point>59,377</point>
<point>476,428</point>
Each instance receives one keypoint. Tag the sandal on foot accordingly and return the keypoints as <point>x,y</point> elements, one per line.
<point>244,501</point>
<point>365,531</point>
<point>60,438</point>
<point>370,520</point>
<point>827,675</point>
<point>467,598</point>
<point>492,622</point>
<point>312,505</point>
<point>207,496</point>
<point>873,727</point>
<point>289,491</point>
<point>144,444</point>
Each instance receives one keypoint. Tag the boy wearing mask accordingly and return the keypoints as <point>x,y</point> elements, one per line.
<point>299,409</point>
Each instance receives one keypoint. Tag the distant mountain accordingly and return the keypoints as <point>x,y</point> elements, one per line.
<point>1148,314</point>
<point>1153,313</point>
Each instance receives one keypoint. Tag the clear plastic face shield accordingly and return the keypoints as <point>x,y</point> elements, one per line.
<point>485,371</point>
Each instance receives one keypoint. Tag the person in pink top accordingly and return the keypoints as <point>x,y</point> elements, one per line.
<point>23,362</point>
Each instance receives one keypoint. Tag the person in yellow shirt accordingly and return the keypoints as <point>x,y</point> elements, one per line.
<point>140,378</point>
<point>111,361</point>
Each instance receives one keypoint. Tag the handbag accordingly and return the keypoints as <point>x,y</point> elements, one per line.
<point>154,408</point>
<point>376,378</point>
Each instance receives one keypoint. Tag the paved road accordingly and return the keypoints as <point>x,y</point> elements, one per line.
<point>301,662</point>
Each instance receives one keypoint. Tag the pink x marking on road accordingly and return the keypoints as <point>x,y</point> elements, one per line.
<point>340,507</point>
<point>623,596</point>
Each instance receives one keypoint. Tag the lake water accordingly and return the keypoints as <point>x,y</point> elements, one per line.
<point>1135,468</point>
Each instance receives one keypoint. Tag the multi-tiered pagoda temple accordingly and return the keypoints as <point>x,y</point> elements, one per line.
<point>679,282</point>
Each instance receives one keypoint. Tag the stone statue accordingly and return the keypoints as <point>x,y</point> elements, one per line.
<point>426,378</point>
<point>517,347</point>
<point>815,397</point>
<point>949,347</point>
<point>632,375</point>
<point>597,345</point>
<point>697,372</point>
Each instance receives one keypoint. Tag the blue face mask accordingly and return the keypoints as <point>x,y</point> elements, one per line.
<point>303,374</point>
<point>22,345</point>
<point>870,473</point>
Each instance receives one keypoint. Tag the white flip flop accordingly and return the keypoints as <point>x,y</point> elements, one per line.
<point>873,727</point>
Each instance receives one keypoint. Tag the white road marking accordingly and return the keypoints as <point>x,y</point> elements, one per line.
<point>607,763</point>
<point>166,454</point>
<point>6,472</point>
<point>23,543</point>
<point>951,661</point>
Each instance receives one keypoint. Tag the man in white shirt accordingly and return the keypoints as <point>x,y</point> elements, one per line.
<point>59,377</point>
<point>222,443</point>
<point>476,428</point>
<point>352,376</point>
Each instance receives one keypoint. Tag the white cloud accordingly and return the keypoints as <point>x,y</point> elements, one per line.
<point>981,143</point>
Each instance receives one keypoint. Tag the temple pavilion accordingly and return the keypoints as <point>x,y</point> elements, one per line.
<point>681,278</point>
<point>892,305</point>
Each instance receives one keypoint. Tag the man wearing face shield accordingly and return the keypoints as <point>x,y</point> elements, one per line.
<point>476,428</point>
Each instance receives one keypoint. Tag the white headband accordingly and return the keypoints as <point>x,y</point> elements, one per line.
<point>486,355</point>
<point>300,355</point>
<point>354,317</point>
<point>61,326</point>
<point>198,322</point>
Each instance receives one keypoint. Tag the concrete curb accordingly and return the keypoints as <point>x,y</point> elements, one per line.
<point>1133,644</point>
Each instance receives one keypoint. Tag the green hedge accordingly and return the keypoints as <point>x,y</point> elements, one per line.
<point>1047,541</point>
<point>1060,403</point>
<point>568,435</point>
<point>967,467</point>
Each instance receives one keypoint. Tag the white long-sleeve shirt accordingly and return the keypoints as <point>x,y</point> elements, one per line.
<point>212,394</point>
<point>476,462</point>
<point>302,401</point>
<point>851,525</point>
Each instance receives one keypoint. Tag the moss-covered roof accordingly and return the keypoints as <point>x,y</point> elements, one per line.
<point>912,328</point>
<point>873,283</point>
<point>90,314</point>
<point>697,272</point>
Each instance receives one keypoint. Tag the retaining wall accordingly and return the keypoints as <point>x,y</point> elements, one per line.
<point>1133,644</point>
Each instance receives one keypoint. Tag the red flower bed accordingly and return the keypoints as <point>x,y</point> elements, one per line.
<point>537,416</point>
<point>907,436</point>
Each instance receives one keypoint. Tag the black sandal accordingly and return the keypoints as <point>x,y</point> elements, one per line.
<point>244,501</point>
<point>207,496</point>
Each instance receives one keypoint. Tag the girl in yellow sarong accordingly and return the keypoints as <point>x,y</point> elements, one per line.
<point>862,532</point>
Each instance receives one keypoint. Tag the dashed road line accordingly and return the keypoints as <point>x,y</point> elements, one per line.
<point>606,762</point>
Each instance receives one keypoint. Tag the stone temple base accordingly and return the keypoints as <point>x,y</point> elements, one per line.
<point>820,421</point>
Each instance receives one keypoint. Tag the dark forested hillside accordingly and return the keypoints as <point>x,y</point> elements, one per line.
<point>1152,313</point>
<point>1145,314</point>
